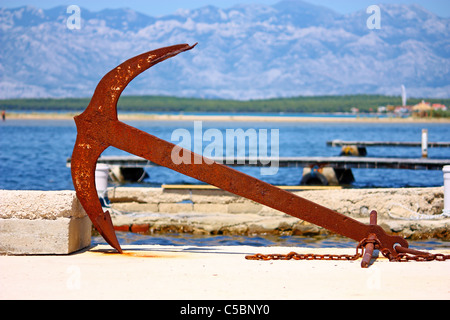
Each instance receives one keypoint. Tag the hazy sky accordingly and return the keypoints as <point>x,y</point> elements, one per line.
<point>158,7</point>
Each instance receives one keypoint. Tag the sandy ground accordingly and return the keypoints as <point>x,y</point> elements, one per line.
<point>211,273</point>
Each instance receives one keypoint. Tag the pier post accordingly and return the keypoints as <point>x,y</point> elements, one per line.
<point>101,178</point>
<point>446,172</point>
<point>424,143</point>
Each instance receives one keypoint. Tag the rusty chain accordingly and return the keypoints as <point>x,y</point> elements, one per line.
<point>309,256</point>
<point>306,256</point>
<point>404,256</point>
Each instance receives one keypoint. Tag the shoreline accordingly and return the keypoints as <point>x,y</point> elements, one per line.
<point>217,118</point>
<point>217,212</point>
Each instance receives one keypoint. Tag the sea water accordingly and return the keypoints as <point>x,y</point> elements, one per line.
<point>33,153</point>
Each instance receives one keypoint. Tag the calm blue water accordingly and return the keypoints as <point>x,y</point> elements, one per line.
<point>33,156</point>
<point>33,153</point>
<point>128,238</point>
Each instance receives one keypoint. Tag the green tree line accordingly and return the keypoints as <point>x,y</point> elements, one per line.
<point>302,104</point>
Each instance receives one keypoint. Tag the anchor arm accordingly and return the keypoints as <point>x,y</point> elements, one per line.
<point>93,127</point>
<point>108,91</point>
<point>84,161</point>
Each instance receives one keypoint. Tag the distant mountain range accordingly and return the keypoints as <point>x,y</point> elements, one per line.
<point>292,48</point>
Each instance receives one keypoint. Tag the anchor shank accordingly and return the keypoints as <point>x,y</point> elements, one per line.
<point>158,151</point>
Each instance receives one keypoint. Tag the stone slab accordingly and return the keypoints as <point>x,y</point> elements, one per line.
<point>42,222</point>
<point>44,236</point>
<point>356,203</point>
<point>25,204</point>
<point>411,212</point>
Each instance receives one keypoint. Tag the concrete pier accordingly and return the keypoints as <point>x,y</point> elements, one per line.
<point>40,269</point>
<point>212,273</point>
<point>53,222</point>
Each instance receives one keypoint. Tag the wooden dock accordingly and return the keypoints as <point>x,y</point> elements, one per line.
<point>341,143</point>
<point>340,162</point>
<point>358,148</point>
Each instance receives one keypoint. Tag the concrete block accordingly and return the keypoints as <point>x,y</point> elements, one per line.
<point>267,211</point>
<point>214,196</point>
<point>210,207</point>
<point>43,236</point>
<point>175,207</point>
<point>147,195</point>
<point>244,207</point>
<point>23,204</point>
<point>42,222</point>
<point>135,207</point>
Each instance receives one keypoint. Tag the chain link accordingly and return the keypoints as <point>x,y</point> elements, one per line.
<point>299,256</point>
<point>408,255</point>
<point>304,256</point>
<point>415,256</point>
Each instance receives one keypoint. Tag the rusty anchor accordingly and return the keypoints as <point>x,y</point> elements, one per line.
<point>98,128</point>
